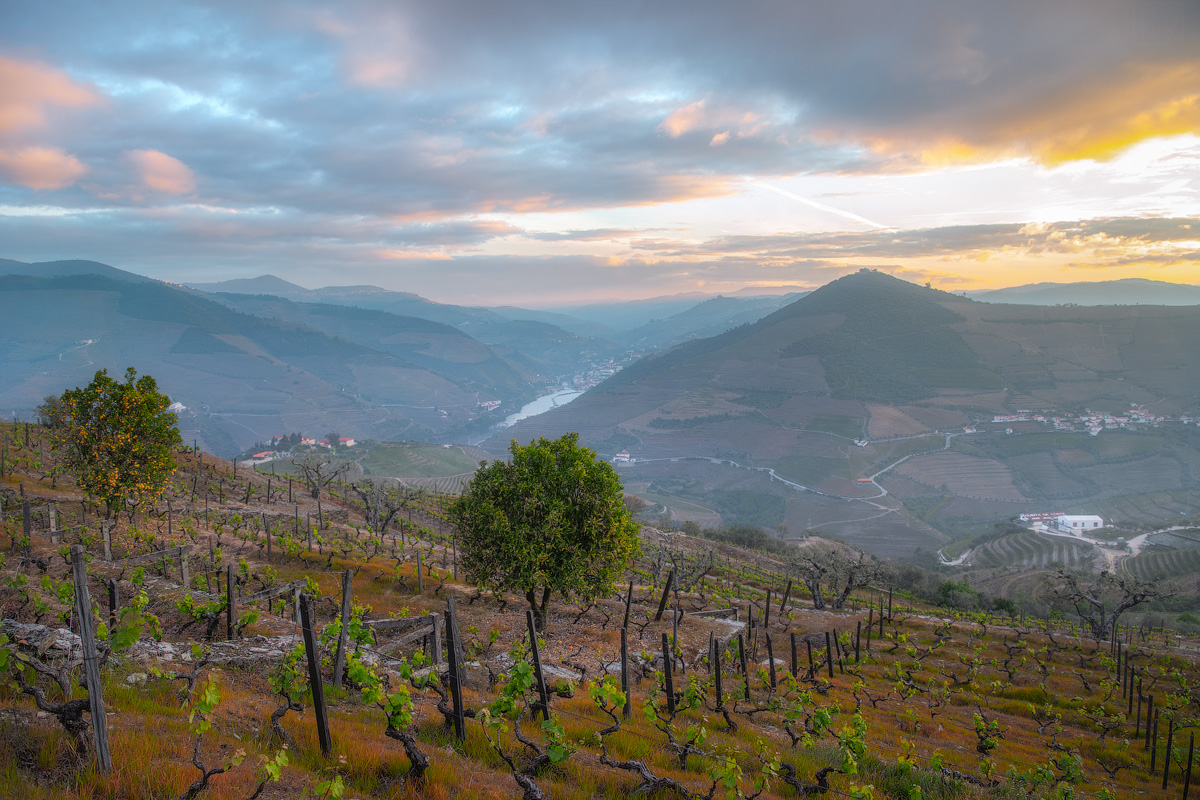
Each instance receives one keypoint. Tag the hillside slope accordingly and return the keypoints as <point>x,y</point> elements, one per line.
<point>774,409</point>
<point>243,378</point>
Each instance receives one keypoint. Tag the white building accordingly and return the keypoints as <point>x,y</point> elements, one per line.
<point>1078,523</point>
<point>622,457</point>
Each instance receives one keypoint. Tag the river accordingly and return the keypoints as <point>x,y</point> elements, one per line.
<point>559,397</point>
<point>540,406</point>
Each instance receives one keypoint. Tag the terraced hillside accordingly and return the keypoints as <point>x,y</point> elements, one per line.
<point>1161,564</point>
<point>1033,551</point>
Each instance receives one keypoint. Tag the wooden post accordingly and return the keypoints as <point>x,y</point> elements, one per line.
<point>742,658</point>
<point>1187,776</point>
<point>786,594</point>
<point>314,676</point>
<point>436,638</point>
<point>1137,729</point>
<point>794,665</point>
<point>669,684</point>
<point>1129,711</point>
<point>230,611</point>
<point>717,675</point>
<point>339,661</point>
<point>628,601</point>
<point>771,658</point>
<point>662,603</point>
<point>881,616</point>
<point>1167,758</point>
<point>857,640</point>
<point>184,572</point>
<point>1149,714</point>
<point>539,677</point>
<point>308,523</point>
<point>767,611</point>
<point>114,602</point>
<point>674,634</point>
<point>1154,742</point>
<point>829,654</point>
<point>267,533</point>
<point>420,573</point>
<point>460,720</point>
<point>106,532</point>
<point>812,668</point>
<point>889,604</point>
<point>625,671</point>
<point>83,612</point>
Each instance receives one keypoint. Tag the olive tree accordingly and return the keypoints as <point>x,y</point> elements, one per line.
<point>550,519</point>
<point>1100,600</point>
<point>117,437</point>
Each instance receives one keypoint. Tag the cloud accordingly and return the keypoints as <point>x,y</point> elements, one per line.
<point>41,167</point>
<point>592,235</point>
<point>28,91</point>
<point>161,172</point>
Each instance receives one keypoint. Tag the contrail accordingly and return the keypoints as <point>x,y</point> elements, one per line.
<point>823,207</point>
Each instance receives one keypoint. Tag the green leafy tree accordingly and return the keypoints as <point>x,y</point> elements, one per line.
<point>117,438</point>
<point>551,519</point>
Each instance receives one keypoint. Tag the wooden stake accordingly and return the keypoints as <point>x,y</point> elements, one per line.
<point>314,676</point>
<point>230,611</point>
<point>83,612</point>
<point>625,671</point>
<point>460,720</point>
<point>538,675</point>
<point>771,658</point>
<point>662,603</point>
<point>668,658</point>
<point>339,661</point>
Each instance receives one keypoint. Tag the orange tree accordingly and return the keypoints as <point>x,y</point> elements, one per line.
<point>551,519</point>
<point>117,438</point>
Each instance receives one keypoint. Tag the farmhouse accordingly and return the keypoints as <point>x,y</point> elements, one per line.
<point>622,457</point>
<point>1074,523</point>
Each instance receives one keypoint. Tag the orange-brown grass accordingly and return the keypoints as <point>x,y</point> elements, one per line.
<point>152,744</point>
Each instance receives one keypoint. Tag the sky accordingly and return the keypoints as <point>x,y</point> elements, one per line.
<point>555,153</point>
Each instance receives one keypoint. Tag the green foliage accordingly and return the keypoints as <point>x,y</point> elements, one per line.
<point>117,439</point>
<point>552,519</point>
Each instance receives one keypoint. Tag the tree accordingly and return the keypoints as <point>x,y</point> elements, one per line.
<point>1094,595</point>
<point>381,504</point>
<point>320,470</point>
<point>117,438</point>
<point>844,574</point>
<point>551,519</point>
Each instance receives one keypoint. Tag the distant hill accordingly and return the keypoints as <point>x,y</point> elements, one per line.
<point>56,269</point>
<point>263,284</point>
<point>846,410</point>
<point>1124,292</point>
<point>245,377</point>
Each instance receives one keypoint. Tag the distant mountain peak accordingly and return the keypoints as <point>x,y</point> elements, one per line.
<point>263,284</point>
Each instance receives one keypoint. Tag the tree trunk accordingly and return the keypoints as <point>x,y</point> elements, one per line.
<point>539,610</point>
<point>814,588</point>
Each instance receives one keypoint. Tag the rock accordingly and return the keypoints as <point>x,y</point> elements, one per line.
<point>136,678</point>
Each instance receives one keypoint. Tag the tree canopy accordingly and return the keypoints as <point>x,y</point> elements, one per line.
<point>117,438</point>
<point>550,519</point>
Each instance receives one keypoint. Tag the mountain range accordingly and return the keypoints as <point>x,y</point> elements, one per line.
<point>892,415</point>
<point>868,409</point>
<point>257,357</point>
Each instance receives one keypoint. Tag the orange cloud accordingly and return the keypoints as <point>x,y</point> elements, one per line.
<point>1093,121</point>
<point>27,90</point>
<point>41,167</point>
<point>162,172</point>
<point>684,119</point>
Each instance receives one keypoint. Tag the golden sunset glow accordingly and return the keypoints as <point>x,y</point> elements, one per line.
<point>470,155</point>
